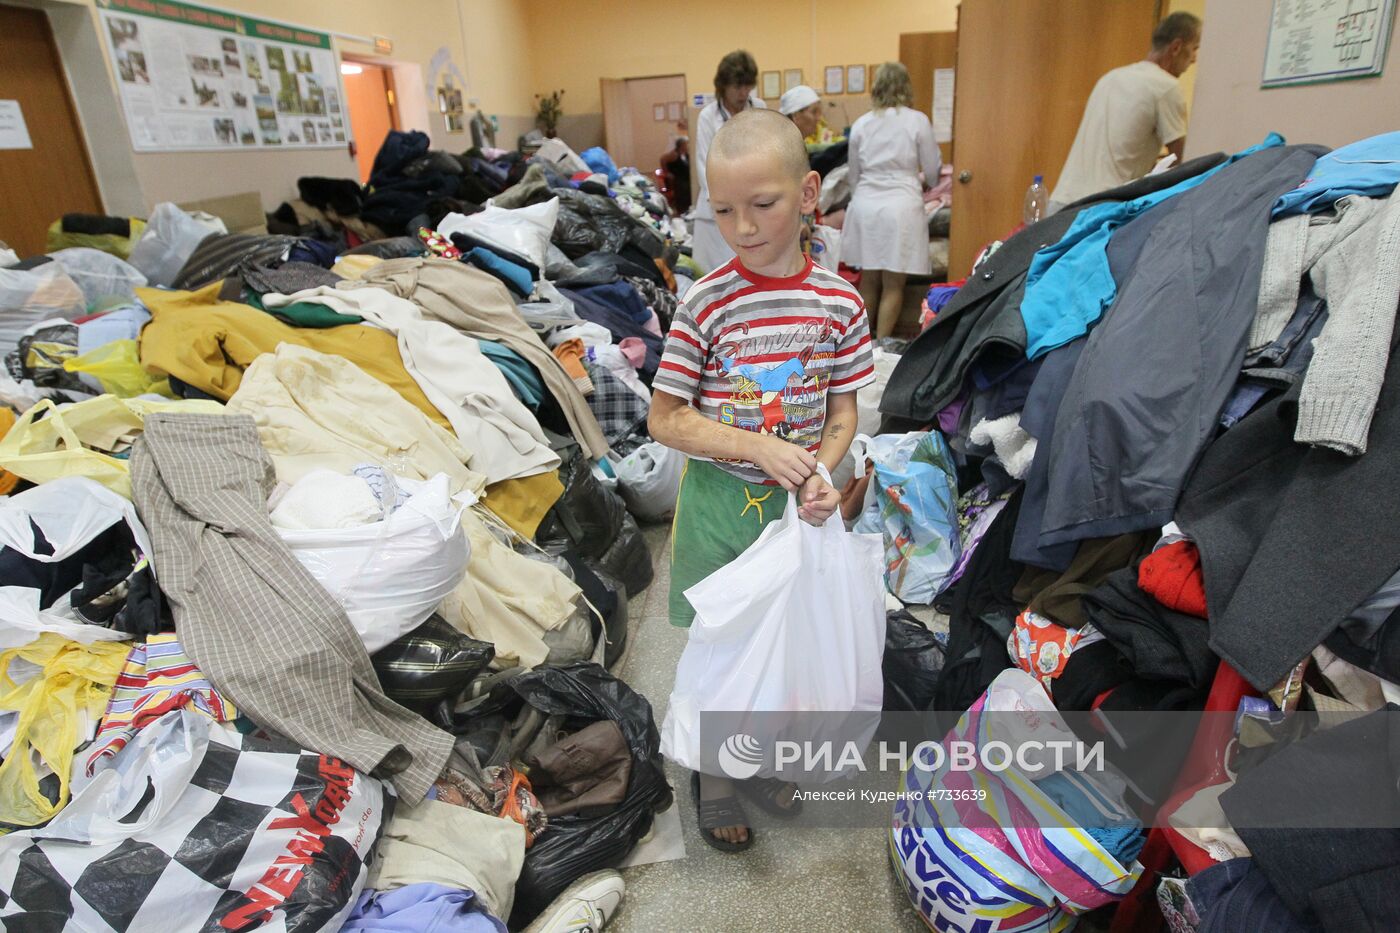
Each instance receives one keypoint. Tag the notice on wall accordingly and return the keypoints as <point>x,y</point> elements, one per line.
<point>1326,40</point>
<point>942,116</point>
<point>14,134</point>
<point>198,78</point>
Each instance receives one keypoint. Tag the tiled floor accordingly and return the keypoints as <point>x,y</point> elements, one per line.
<point>794,878</point>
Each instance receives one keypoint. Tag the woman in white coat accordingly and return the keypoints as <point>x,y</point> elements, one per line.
<point>735,79</point>
<point>886,233</point>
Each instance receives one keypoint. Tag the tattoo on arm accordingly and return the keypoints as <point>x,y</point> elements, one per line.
<point>835,430</point>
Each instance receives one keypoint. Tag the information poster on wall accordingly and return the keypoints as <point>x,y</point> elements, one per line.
<point>1326,40</point>
<point>198,78</point>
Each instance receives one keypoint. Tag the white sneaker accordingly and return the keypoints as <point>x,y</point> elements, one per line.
<point>584,907</point>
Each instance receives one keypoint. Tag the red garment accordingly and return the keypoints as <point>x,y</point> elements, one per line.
<point>1172,575</point>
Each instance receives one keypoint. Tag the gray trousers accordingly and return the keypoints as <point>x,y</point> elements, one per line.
<point>255,621</point>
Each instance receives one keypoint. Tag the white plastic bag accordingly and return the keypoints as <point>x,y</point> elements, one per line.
<point>524,231</point>
<point>390,575</point>
<point>28,296</point>
<point>100,275</point>
<point>826,247</point>
<point>70,511</point>
<point>194,827</point>
<point>650,479</point>
<point>795,623</point>
<point>170,238</point>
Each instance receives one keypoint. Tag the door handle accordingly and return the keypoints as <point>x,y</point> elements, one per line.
<point>965,176</point>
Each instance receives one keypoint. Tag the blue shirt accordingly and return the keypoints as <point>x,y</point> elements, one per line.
<point>1369,166</point>
<point>1069,283</point>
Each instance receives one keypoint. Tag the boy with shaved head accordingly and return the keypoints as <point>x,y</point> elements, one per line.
<point>757,385</point>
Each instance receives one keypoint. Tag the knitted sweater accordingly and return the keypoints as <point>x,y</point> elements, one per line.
<point>1353,258</point>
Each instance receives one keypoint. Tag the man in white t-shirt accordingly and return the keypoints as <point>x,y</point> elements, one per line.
<point>1133,112</point>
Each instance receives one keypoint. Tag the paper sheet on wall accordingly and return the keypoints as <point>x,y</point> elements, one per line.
<point>1326,40</point>
<point>197,78</point>
<point>14,134</point>
<point>942,115</point>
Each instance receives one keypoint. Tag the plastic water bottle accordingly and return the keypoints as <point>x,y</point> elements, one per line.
<point>1036,200</point>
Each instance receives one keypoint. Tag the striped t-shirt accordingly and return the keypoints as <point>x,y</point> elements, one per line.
<point>761,353</point>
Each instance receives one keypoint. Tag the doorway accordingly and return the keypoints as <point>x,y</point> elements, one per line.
<point>640,117</point>
<point>1016,109</point>
<point>53,176</point>
<point>373,108</point>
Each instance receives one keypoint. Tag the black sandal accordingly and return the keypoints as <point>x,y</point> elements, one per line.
<point>765,791</point>
<point>717,814</point>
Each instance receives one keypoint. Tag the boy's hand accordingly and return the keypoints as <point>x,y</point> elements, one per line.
<point>787,463</point>
<point>818,500</point>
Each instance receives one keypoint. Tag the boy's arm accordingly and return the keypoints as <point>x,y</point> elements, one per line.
<point>840,429</point>
<point>819,499</point>
<point>676,424</point>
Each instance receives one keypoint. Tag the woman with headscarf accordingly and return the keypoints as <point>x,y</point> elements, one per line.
<point>885,234</point>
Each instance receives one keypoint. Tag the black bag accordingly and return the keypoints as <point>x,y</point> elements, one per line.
<point>429,663</point>
<point>628,560</point>
<point>587,519</point>
<point>912,665</point>
<point>608,595</point>
<point>575,845</point>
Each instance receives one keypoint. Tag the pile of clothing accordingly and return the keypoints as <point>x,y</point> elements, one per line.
<point>1183,394</point>
<point>316,558</point>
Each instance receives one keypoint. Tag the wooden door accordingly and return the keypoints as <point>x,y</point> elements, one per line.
<point>1025,70</point>
<point>650,137</point>
<point>923,53</point>
<point>55,177</point>
<point>369,100</point>
<point>617,115</point>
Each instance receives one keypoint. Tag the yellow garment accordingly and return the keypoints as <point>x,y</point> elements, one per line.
<point>823,135</point>
<point>119,246</point>
<point>352,267</point>
<point>73,679</point>
<point>508,599</point>
<point>8,480</point>
<point>522,503</point>
<point>79,439</point>
<point>208,343</point>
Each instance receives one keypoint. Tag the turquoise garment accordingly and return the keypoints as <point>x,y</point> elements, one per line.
<point>1105,820</point>
<point>1368,166</point>
<point>513,275</point>
<point>1069,284</point>
<point>524,380</point>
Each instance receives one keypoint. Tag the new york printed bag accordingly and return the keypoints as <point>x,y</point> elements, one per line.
<point>194,827</point>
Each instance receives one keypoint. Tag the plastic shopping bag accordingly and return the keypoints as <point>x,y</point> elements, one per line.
<point>28,296</point>
<point>650,479</point>
<point>79,440</point>
<point>796,622</point>
<point>913,502</point>
<point>194,827</point>
<point>524,231</point>
<point>826,247</point>
<point>390,574</point>
<point>169,240</point>
<point>1014,861</point>
<point>116,368</point>
<point>100,275</point>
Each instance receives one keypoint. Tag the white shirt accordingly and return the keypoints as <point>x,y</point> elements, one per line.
<point>1132,113</point>
<point>706,126</point>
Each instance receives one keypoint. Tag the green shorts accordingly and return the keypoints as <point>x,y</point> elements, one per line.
<point>717,517</point>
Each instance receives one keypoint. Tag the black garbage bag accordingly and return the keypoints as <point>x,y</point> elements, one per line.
<point>608,596</point>
<point>913,662</point>
<point>628,559</point>
<point>575,845</point>
<point>587,519</point>
<point>589,223</point>
<point>429,663</point>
